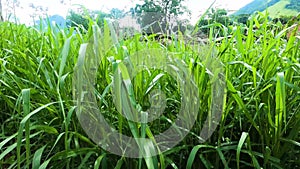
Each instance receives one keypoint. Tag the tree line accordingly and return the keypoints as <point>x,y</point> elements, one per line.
<point>162,16</point>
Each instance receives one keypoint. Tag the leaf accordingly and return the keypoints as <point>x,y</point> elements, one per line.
<point>193,154</point>
<point>37,157</point>
<point>154,82</point>
<point>98,161</point>
<point>239,147</point>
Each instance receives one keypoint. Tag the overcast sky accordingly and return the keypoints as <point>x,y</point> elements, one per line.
<point>55,7</point>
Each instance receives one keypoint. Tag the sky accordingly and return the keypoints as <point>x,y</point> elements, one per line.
<point>24,11</point>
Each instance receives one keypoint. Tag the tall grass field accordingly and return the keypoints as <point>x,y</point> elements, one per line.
<point>259,126</point>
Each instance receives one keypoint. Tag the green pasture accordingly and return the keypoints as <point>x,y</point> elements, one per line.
<point>260,122</point>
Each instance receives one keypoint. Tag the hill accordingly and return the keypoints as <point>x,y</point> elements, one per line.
<point>274,7</point>
<point>279,9</point>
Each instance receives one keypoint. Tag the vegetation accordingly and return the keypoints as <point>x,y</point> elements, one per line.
<point>78,19</point>
<point>166,12</point>
<point>1,17</point>
<point>294,4</point>
<point>280,9</point>
<point>215,16</point>
<point>256,5</point>
<point>274,7</point>
<point>260,123</point>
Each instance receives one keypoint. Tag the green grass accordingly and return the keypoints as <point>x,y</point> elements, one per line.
<point>259,126</point>
<point>279,10</point>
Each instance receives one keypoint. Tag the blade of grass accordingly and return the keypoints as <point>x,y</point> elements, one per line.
<point>22,126</point>
<point>98,161</point>
<point>37,157</point>
<point>240,144</point>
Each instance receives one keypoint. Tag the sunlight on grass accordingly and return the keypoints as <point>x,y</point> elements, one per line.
<point>259,126</point>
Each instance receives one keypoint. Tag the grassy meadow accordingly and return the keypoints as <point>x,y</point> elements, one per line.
<point>280,10</point>
<point>259,126</point>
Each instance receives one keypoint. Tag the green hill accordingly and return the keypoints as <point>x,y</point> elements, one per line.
<point>279,9</point>
<point>274,7</point>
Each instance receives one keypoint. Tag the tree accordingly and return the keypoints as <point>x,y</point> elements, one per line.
<point>10,12</point>
<point>1,17</point>
<point>158,15</point>
<point>12,5</point>
<point>242,18</point>
<point>82,18</point>
<point>76,19</point>
<point>116,13</point>
<point>219,16</point>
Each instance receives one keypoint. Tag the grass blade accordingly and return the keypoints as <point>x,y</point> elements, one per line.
<point>36,162</point>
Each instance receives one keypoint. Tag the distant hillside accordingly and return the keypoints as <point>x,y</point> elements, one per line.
<point>274,7</point>
<point>280,9</point>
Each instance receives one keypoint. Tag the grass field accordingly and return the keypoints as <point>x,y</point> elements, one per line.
<point>259,126</point>
<point>279,9</point>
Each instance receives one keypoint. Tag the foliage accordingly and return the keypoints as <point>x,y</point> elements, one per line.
<point>76,19</point>
<point>280,9</point>
<point>215,16</point>
<point>294,4</point>
<point>1,15</point>
<point>283,19</point>
<point>154,16</point>
<point>256,5</point>
<point>242,18</point>
<point>275,8</point>
<point>116,13</point>
<point>83,18</point>
<point>259,127</point>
